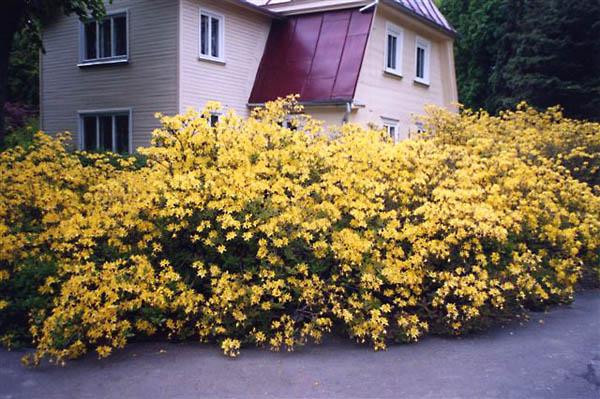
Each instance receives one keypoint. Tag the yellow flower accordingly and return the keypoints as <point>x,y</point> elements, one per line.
<point>231,347</point>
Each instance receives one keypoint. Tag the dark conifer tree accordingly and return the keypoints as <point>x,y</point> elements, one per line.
<point>546,52</point>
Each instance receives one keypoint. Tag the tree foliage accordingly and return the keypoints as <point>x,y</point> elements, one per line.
<point>545,52</point>
<point>21,24</point>
<point>23,71</point>
<point>34,13</point>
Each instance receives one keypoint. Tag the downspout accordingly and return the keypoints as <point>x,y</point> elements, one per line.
<point>365,8</point>
<point>346,118</point>
<point>350,103</point>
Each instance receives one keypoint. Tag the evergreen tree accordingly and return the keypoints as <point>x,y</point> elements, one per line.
<point>546,52</point>
<point>23,71</point>
<point>479,26</point>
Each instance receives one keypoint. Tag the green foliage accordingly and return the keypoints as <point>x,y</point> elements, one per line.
<point>22,136</point>
<point>23,71</point>
<point>20,30</point>
<point>545,52</point>
<point>27,299</point>
<point>36,13</point>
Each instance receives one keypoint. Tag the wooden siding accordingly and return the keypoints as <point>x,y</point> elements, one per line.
<point>330,116</point>
<point>147,84</point>
<point>229,83</point>
<point>389,96</point>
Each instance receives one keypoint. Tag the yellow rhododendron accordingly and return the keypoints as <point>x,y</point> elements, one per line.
<point>253,233</point>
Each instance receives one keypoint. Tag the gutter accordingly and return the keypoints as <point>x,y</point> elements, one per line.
<point>368,6</point>
<point>349,106</point>
<point>318,103</point>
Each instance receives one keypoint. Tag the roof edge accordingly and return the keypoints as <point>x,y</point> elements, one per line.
<point>256,8</point>
<point>401,7</point>
<point>286,9</point>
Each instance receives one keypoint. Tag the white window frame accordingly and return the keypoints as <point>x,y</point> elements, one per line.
<point>420,127</point>
<point>120,59</point>
<point>105,112</point>
<point>221,18</point>
<point>389,124</point>
<point>398,33</point>
<point>424,44</point>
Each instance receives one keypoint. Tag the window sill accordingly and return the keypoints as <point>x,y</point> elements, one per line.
<point>212,59</point>
<point>111,61</point>
<point>420,82</point>
<point>393,73</point>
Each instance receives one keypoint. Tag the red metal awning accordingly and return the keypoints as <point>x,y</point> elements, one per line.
<point>318,56</point>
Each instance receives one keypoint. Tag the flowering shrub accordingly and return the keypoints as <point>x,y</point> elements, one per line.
<point>251,233</point>
<point>535,136</point>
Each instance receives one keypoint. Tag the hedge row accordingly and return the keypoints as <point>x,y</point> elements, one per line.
<point>252,233</point>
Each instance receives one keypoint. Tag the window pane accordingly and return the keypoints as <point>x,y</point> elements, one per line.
<point>105,39</point>
<point>122,132</point>
<point>214,119</point>
<point>392,51</point>
<point>90,40</point>
<point>204,35</point>
<point>89,133</point>
<point>215,34</point>
<point>389,51</point>
<point>105,133</point>
<point>393,132</point>
<point>120,30</point>
<point>420,62</point>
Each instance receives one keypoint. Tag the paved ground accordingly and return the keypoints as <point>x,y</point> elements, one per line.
<point>553,359</point>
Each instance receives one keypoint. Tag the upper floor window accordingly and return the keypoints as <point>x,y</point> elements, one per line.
<point>393,49</point>
<point>106,131</point>
<point>105,40</point>
<point>422,63</point>
<point>212,36</point>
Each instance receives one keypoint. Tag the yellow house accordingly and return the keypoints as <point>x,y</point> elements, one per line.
<point>361,61</point>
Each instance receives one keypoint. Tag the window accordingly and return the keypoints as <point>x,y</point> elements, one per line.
<point>105,40</point>
<point>106,131</point>
<point>212,36</point>
<point>422,64</point>
<point>391,127</point>
<point>293,122</point>
<point>420,127</point>
<point>393,49</point>
<point>214,119</point>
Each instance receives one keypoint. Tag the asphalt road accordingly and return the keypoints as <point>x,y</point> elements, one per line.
<point>552,359</point>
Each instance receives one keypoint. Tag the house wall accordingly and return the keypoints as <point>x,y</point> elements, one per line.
<point>147,83</point>
<point>331,116</point>
<point>400,98</point>
<point>230,82</point>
